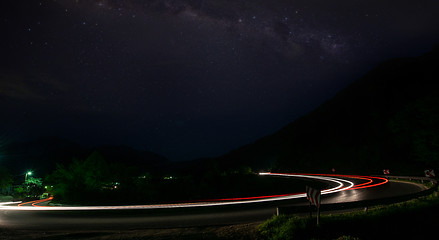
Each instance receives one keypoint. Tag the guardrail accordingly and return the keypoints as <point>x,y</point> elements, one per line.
<point>365,203</point>
<point>421,179</point>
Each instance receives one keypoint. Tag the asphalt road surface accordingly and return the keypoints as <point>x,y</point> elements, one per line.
<point>214,212</point>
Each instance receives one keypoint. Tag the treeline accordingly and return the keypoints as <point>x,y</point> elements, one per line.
<point>30,188</point>
<point>94,181</point>
<point>6,180</point>
<point>118,176</point>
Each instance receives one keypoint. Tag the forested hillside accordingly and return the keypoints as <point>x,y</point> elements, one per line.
<point>387,119</point>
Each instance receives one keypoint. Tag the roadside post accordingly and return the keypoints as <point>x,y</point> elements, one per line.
<point>313,196</point>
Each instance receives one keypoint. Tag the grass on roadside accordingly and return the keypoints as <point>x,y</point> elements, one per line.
<point>400,219</point>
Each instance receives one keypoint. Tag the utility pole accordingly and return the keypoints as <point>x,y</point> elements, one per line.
<point>28,173</point>
<point>318,215</point>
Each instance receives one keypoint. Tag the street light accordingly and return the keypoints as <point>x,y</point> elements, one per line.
<point>27,174</point>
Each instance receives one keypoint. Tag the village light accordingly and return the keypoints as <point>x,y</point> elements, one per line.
<point>28,173</point>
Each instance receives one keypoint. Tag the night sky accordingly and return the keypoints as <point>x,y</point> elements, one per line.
<point>190,78</point>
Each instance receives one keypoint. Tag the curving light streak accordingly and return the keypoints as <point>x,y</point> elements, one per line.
<point>8,203</point>
<point>34,203</point>
<point>359,186</point>
<point>339,181</point>
<point>384,181</point>
<point>339,185</point>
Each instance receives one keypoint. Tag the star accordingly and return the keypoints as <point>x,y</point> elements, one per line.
<point>222,63</point>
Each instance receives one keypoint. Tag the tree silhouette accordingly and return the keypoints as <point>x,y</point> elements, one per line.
<point>82,180</point>
<point>5,179</point>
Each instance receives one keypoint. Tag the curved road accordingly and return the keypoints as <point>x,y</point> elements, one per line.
<point>340,189</point>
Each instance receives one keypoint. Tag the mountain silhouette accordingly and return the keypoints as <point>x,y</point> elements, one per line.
<point>43,154</point>
<point>387,119</point>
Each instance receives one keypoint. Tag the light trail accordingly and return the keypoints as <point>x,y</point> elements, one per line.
<point>359,186</point>
<point>339,183</point>
<point>35,202</point>
<point>384,181</point>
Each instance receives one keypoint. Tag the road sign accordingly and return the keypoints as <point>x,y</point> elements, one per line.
<point>313,195</point>
<point>430,173</point>
<point>386,171</point>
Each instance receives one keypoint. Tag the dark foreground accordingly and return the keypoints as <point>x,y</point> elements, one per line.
<point>421,224</point>
<point>414,219</point>
<point>240,231</point>
<point>412,224</point>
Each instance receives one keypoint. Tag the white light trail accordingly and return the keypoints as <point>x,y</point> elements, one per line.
<point>341,185</point>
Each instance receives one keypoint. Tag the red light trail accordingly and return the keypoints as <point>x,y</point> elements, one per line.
<point>340,182</point>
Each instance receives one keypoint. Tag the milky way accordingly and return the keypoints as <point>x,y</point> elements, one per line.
<point>288,25</point>
<point>190,79</point>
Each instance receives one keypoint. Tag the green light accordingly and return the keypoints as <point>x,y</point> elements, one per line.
<point>28,173</point>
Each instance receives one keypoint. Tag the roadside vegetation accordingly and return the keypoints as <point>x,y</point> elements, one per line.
<point>414,219</point>
<point>94,181</point>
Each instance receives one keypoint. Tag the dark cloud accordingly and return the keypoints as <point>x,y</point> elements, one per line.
<point>30,88</point>
<point>16,88</point>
